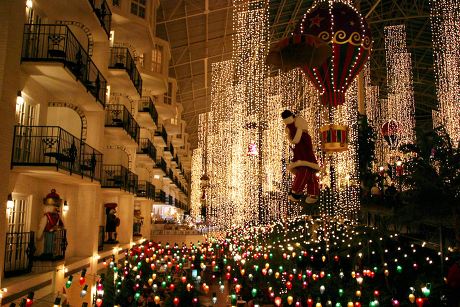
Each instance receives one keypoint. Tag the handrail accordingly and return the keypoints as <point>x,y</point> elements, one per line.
<point>121,58</point>
<point>54,146</point>
<point>57,43</point>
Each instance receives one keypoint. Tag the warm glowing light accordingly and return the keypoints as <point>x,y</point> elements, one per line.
<point>446,45</point>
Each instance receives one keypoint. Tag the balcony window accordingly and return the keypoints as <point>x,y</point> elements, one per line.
<point>138,7</point>
<point>116,3</point>
<point>157,55</point>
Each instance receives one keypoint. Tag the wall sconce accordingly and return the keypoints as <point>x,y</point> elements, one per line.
<point>10,202</point>
<point>29,4</point>
<point>19,99</point>
<point>65,207</point>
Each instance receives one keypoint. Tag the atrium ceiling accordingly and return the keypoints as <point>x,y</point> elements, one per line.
<point>200,33</point>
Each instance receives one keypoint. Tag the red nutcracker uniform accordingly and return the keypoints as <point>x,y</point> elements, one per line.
<point>303,164</point>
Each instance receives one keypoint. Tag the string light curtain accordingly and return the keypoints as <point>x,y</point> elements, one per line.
<point>445,25</point>
<point>401,106</point>
<point>195,193</point>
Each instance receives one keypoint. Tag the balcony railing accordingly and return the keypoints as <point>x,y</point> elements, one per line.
<point>121,58</point>
<point>54,146</point>
<point>171,149</point>
<point>56,43</point>
<point>160,196</point>
<point>146,105</point>
<point>117,115</point>
<point>103,13</point>
<point>19,251</point>
<point>146,147</point>
<point>100,238</point>
<point>171,174</point>
<point>55,245</point>
<point>146,189</point>
<point>162,165</point>
<point>170,200</point>
<point>164,135</point>
<point>118,176</point>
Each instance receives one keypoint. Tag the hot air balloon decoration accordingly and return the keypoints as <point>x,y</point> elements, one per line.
<point>334,138</point>
<point>343,27</point>
<point>389,132</point>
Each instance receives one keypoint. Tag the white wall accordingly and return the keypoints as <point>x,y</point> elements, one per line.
<point>65,118</point>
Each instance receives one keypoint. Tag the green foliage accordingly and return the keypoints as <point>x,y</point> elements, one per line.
<point>109,289</point>
<point>432,176</point>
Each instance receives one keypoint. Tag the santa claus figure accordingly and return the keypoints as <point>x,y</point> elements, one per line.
<point>303,164</point>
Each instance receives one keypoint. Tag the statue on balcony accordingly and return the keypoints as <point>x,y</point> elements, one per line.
<point>50,222</point>
<point>112,222</point>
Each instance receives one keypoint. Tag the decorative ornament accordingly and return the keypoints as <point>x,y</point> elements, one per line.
<point>389,132</point>
<point>342,27</point>
<point>334,138</point>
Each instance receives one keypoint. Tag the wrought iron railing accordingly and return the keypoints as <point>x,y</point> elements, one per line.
<point>146,147</point>
<point>117,115</point>
<point>54,146</point>
<point>121,58</point>
<point>103,13</point>
<point>56,43</point>
<point>162,165</point>
<point>19,251</point>
<point>146,189</point>
<point>146,104</point>
<point>118,176</point>
<point>170,200</point>
<point>160,196</point>
<point>55,245</point>
<point>171,174</point>
<point>164,135</point>
<point>100,238</point>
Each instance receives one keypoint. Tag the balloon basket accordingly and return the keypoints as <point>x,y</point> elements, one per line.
<point>334,138</point>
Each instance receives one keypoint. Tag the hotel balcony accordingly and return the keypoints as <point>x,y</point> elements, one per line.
<point>145,190</point>
<point>94,14</point>
<point>103,14</point>
<point>147,113</point>
<point>52,56</point>
<point>160,197</point>
<point>162,166</point>
<point>146,151</point>
<point>20,251</point>
<point>161,137</point>
<point>52,152</point>
<point>123,71</point>
<point>119,177</point>
<point>120,123</point>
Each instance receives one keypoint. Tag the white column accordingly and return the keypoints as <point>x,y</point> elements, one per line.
<point>126,214</point>
<point>12,19</point>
